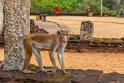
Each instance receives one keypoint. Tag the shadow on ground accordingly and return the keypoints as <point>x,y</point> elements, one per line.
<point>73,76</point>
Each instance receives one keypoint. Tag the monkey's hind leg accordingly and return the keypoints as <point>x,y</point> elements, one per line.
<point>1,64</point>
<point>28,52</point>
<point>39,59</point>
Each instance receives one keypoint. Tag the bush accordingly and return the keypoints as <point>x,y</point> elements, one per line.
<point>113,13</point>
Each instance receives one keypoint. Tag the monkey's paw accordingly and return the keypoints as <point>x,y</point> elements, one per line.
<point>53,72</point>
<point>65,72</point>
<point>45,70</point>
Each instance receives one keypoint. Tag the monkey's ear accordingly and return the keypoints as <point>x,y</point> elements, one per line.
<point>58,32</point>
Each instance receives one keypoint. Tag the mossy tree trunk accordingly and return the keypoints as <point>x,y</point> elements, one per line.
<point>16,24</point>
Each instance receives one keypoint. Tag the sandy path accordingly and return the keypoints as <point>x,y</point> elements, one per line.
<point>106,27</point>
<point>103,26</point>
<point>107,62</point>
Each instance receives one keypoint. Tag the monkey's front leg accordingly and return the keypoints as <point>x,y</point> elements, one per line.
<point>60,56</point>
<point>51,55</point>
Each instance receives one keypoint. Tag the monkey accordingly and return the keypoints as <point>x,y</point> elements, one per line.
<point>33,42</point>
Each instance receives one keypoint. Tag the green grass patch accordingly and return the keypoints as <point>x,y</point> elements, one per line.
<point>101,45</point>
<point>59,77</point>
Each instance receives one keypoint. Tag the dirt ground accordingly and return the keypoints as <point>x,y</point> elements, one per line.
<point>104,27</point>
<point>107,62</point>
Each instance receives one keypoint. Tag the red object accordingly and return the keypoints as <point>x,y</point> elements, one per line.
<point>57,10</point>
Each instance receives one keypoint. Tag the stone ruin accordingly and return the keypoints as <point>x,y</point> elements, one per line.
<point>86,30</point>
<point>36,29</point>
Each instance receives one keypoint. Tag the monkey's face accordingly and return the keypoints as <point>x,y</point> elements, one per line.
<point>63,35</point>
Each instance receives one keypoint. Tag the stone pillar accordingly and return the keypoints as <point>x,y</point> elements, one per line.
<point>86,30</point>
<point>16,24</point>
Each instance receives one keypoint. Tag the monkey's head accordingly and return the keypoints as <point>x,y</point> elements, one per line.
<point>63,35</point>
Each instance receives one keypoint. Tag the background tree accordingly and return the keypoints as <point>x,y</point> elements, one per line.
<point>47,6</point>
<point>16,24</point>
<point>110,7</point>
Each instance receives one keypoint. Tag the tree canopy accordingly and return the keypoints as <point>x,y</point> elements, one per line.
<point>110,7</point>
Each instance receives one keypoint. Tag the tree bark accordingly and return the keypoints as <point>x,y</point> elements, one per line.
<point>16,24</point>
<point>1,16</point>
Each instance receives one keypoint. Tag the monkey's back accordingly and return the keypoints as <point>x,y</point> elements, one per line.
<point>42,38</point>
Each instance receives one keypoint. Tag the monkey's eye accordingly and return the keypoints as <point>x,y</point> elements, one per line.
<point>65,34</point>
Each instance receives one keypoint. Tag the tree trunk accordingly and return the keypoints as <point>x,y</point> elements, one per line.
<point>16,24</point>
<point>1,16</point>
